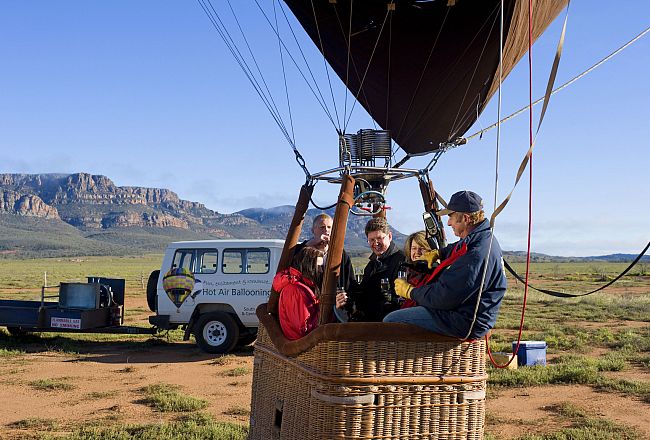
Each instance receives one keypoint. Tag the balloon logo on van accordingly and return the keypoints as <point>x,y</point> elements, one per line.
<point>178,284</point>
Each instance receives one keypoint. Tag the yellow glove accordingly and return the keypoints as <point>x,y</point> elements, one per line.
<point>403,288</point>
<point>431,257</point>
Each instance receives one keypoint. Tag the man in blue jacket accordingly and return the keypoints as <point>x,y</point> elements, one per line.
<point>451,301</point>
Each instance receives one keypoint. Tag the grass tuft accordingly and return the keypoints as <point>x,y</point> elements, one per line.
<point>35,424</point>
<point>166,398</point>
<point>194,426</point>
<point>585,427</point>
<point>236,372</point>
<point>60,384</point>
<point>237,411</point>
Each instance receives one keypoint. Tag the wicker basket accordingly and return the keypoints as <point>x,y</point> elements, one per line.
<point>416,385</point>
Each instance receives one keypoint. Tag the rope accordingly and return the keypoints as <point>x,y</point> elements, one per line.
<point>450,71</point>
<point>454,129</point>
<point>566,84</point>
<point>284,75</point>
<point>496,177</point>
<point>322,49</point>
<point>320,101</point>
<point>576,295</point>
<point>221,29</point>
<point>323,208</point>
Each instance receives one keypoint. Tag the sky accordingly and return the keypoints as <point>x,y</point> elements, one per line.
<point>146,93</point>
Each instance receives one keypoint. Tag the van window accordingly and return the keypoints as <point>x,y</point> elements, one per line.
<point>206,260</point>
<point>233,261</point>
<point>196,260</point>
<point>257,261</point>
<point>246,260</point>
<point>183,258</point>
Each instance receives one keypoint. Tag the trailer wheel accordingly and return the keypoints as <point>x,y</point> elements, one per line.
<point>216,332</point>
<point>152,290</point>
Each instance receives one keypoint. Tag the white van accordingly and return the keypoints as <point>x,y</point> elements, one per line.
<point>233,277</point>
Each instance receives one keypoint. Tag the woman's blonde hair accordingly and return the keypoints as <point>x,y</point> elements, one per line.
<point>476,217</point>
<point>420,238</point>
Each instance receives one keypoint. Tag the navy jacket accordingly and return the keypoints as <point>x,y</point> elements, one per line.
<point>451,297</point>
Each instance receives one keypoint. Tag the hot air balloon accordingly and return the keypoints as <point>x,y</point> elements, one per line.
<point>424,71</point>
<point>178,283</point>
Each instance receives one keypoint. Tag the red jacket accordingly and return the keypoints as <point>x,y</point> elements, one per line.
<point>299,307</point>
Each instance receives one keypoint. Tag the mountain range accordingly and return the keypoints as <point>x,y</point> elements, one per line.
<point>48,215</point>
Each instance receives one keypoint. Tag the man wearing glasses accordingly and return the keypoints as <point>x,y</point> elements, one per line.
<point>376,295</point>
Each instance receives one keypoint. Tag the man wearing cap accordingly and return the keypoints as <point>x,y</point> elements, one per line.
<point>455,300</point>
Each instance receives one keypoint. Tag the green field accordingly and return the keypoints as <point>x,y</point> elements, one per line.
<point>601,341</point>
<point>25,278</point>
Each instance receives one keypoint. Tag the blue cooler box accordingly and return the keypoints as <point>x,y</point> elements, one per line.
<point>530,353</point>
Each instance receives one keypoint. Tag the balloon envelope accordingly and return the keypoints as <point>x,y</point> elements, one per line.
<point>426,69</point>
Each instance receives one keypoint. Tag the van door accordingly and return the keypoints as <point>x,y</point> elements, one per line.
<point>250,272</point>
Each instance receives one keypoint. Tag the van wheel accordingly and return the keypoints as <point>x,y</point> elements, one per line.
<point>152,290</point>
<point>216,332</point>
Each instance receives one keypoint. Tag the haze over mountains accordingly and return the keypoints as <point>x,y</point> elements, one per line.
<point>47,215</point>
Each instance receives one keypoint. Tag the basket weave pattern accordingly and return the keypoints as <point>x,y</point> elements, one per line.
<point>369,390</point>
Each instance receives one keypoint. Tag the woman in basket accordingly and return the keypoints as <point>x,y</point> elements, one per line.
<point>299,287</point>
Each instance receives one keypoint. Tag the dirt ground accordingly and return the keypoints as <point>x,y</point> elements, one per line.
<point>106,383</point>
<point>107,376</point>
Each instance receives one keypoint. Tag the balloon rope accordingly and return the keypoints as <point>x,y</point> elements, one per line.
<point>496,177</point>
<point>566,84</point>
<point>530,193</point>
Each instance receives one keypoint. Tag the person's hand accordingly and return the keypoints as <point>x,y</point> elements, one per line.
<point>341,299</point>
<point>403,288</point>
<point>321,242</point>
<point>431,257</point>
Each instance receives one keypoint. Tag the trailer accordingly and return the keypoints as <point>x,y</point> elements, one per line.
<point>96,306</point>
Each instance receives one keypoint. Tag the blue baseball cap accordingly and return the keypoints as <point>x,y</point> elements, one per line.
<point>463,201</point>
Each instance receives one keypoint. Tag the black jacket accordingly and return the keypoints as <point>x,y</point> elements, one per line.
<point>368,298</point>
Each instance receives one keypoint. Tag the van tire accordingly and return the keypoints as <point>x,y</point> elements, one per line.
<point>216,332</point>
<point>152,290</point>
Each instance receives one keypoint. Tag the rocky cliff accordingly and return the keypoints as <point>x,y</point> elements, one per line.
<point>94,208</point>
<point>93,202</point>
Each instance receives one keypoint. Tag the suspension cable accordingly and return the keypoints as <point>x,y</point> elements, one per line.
<point>354,65</point>
<point>250,51</point>
<point>327,72</point>
<point>566,84</point>
<point>424,69</point>
<point>321,100</point>
<point>222,30</point>
<point>363,79</point>
<point>422,114</point>
<point>347,63</point>
<point>284,75</point>
<point>454,127</point>
<point>496,177</point>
